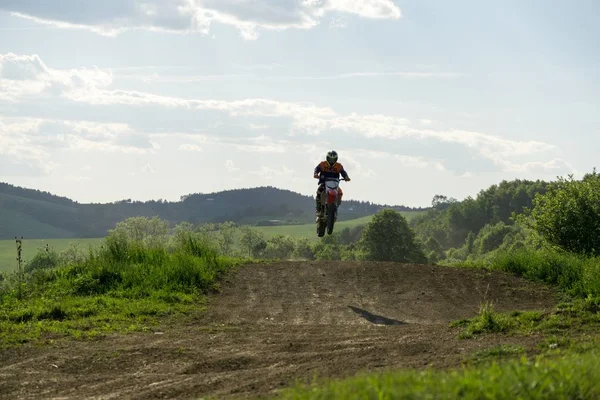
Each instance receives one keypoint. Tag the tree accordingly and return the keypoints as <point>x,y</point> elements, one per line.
<point>253,241</point>
<point>389,238</point>
<point>442,202</point>
<point>280,247</point>
<point>45,258</point>
<point>567,216</point>
<point>150,231</point>
<point>226,237</point>
<point>304,249</point>
<point>328,248</point>
<point>351,235</point>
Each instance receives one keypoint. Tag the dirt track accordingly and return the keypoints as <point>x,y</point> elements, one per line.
<point>272,324</point>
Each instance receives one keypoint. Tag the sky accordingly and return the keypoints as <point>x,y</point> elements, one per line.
<point>155,99</point>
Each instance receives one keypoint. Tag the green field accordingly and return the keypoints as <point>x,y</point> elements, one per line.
<point>309,230</point>
<point>8,249</point>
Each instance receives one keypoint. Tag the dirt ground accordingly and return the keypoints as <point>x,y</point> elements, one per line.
<point>272,324</point>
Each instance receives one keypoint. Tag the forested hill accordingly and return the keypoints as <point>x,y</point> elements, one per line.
<point>35,214</point>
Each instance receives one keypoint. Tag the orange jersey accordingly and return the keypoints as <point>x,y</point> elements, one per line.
<point>324,170</point>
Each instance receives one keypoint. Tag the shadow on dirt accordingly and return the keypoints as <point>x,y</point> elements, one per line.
<point>376,319</point>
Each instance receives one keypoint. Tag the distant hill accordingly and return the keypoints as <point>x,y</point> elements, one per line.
<point>36,214</point>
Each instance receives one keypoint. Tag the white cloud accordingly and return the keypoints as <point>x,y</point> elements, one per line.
<point>231,166</point>
<point>258,127</point>
<point>23,76</point>
<point>77,178</point>
<point>365,8</point>
<point>113,17</point>
<point>262,144</point>
<point>268,173</point>
<point>190,147</point>
<point>353,155</point>
<point>28,142</point>
<point>147,169</point>
<point>337,23</point>
<point>400,74</point>
<point>557,166</point>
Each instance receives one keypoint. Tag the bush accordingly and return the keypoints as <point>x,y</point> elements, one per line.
<point>568,215</point>
<point>491,236</point>
<point>280,247</point>
<point>44,259</point>
<point>328,248</point>
<point>303,249</point>
<point>253,240</point>
<point>151,232</point>
<point>388,238</point>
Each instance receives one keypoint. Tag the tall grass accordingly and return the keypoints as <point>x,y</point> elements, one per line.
<point>123,284</point>
<point>576,274</point>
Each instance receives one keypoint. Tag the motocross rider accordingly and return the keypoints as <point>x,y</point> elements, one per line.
<point>329,169</point>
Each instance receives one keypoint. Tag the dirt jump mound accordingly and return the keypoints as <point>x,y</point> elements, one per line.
<point>366,293</point>
<point>274,323</point>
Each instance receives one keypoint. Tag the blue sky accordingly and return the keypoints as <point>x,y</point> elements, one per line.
<point>101,101</point>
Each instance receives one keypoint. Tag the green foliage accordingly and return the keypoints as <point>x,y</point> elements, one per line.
<point>579,315</point>
<point>389,238</point>
<point>450,222</point>
<point>498,352</point>
<point>125,283</point>
<point>329,248</point>
<point>303,249</point>
<point>253,241</point>
<point>226,237</point>
<point>487,321</point>
<point>350,235</point>
<point>152,232</point>
<point>568,215</point>
<point>490,239</point>
<point>280,247</point>
<point>434,250</point>
<point>44,259</point>
<point>571,377</point>
<point>576,274</point>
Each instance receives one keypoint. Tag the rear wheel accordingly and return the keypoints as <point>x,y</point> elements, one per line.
<point>331,212</point>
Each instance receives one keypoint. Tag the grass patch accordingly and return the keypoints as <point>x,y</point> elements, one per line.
<point>125,285</point>
<point>576,275</point>
<point>498,353</point>
<point>571,377</point>
<point>576,316</point>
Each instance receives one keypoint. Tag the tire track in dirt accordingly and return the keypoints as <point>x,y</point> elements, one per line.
<point>274,323</point>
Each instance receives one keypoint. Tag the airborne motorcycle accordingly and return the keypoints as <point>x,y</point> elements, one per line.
<point>330,202</point>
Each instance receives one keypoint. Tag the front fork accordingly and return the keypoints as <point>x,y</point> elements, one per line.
<point>324,195</point>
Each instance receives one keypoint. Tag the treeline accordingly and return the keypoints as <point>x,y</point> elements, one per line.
<point>23,212</point>
<point>455,229</point>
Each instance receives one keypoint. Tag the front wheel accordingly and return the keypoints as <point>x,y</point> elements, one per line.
<point>321,226</point>
<point>331,214</point>
<point>321,223</point>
